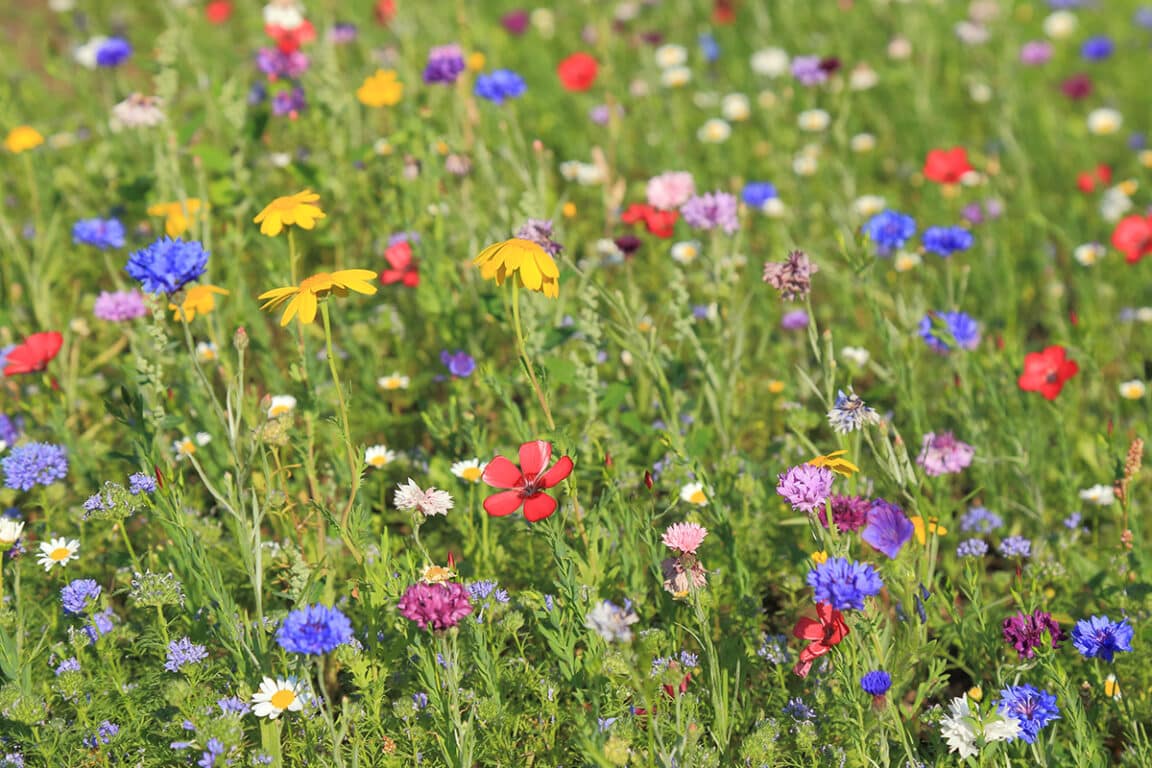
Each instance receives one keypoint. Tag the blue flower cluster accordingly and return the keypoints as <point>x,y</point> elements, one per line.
<point>78,595</point>
<point>167,265</point>
<point>500,85</point>
<point>184,652</point>
<point>314,629</point>
<point>33,464</point>
<point>104,234</point>
<point>844,583</point>
<point>940,330</point>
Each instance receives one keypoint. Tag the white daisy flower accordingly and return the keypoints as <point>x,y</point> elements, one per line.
<point>393,381</point>
<point>813,120</point>
<point>774,208</point>
<point>1089,253</point>
<point>1100,495</point>
<point>1104,121</point>
<point>714,131</point>
<point>771,62</point>
<point>1133,390</point>
<point>58,551</point>
<point>693,493</point>
<point>735,107</point>
<point>409,497</point>
<point>675,77</point>
<point>685,252</point>
<point>277,696</point>
<point>906,260</point>
<point>286,14</point>
<point>867,206</point>
<point>206,351</point>
<point>1060,25</point>
<point>281,405</point>
<point>857,356</point>
<point>862,142</point>
<point>378,455</point>
<point>10,530</point>
<point>469,470</point>
<point>671,55</point>
<point>862,78</point>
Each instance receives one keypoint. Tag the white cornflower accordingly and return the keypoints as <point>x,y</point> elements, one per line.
<point>59,551</point>
<point>277,696</point>
<point>409,497</point>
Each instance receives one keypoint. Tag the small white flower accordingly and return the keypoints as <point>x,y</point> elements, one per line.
<point>58,551</point>
<point>813,120</point>
<point>280,159</point>
<point>1100,495</point>
<point>543,21</point>
<point>862,78</point>
<point>612,622</point>
<point>675,77</point>
<point>971,33</point>
<point>862,142</point>
<point>10,530</point>
<point>286,14</point>
<point>867,206</point>
<point>281,405</point>
<point>906,260</point>
<point>685,252</point>
<point>899,48</point>
<point>715,131</point>
<point>981,93</point>
<point>203,438</point>
<point>205,351</point>
<point>1133,390</point>
<point>277,696</point>
<point>409,497</point>
<point>393,381</point>
<point>469,470</point>
<point>774,208</point>
<point>1104,121</point>
<point>1114,203</point>
<point>735,107</point>
<point>671,55</point>
<point>959,728</point>
<point>378,455</point>
<point>805,165</point>
<point>85,55</point>
<point>136,111</point>
<point>1143,315</point>
<point>857,356</point>
<point>1060,25</point>
<point>1089,253</point>
<point>771,62</point>
<point>693,493</point>
<point>1002,728</point>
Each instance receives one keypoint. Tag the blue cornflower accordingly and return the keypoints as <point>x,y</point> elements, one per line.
<point>972,548</point>
<point>1100,637</point>
<point>980,520</point>
<point>799,711</point>
<point>849,413</point>
<point>139,483</point>
<point>1016,546</point>
<point>314,629</point>
<point>756,193</point>
<point>167,265</point>
<point>709,47</point>
<point>1072,522</point>
<point>945,241</point>
<point>114,52</point>
<point>11,428</point>
<point>844,583</point>
<point>943,329</point>
<point>104,234</point>
<point>876,683</point>
<point>184,652</point>
<point>1097,48</point>
<point>233,705</point>
<point>34,464</point>
<point>888,528</point>
<point>1032,707</point>
<point>459,363</point>
<point>889,229</point>
<point>500,85</point>
<point>76,596</point>
<point>68,665</point>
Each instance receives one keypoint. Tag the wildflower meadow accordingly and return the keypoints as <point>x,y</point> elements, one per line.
<point>678,383</point>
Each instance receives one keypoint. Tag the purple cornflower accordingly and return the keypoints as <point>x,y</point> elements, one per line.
<point>796,320</point>
<point>1025,632</point>
<point>1100,637</point>
<point>888,528</point>
<point>1035,52</point>
<point>104,234</point>
<point>1031,707</point>
<point>539,231</point>
<point>68,665</point>
<point>114,52</point>
<point>1097,48</point>
<point>980,520</point>
<point>850,513</point>
<point>501,85</point>
<point>139,483</point>
<point>32,464</point>
<point>805,487</point>
<point>184,652</point>
<point>876,683</point>
<point>277,64</point>
<point>943,454</point>
<point>102,623</point>
<point>76,596</point>
<point>809,70</point>
<point>945,241</point>
<point>314,629</point>
<point>940,330</point>
<point>289,102</point>
<point>844,583</point>
<point>119,306</point>
<point>792,278</point>
<point>459,363</point>
<point>712,210</point>
<point>445,63</point>
<point>435,606</point>
<point>1016,546</point>
<point>889,230</point>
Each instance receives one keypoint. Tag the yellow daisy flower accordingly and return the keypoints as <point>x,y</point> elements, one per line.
<point>295,209</point>
<point>177,215</point>
<point>22,138</point>
<point>380,90</point>
<point>199,299</point>
<point>537,270</point>
<point>834,462</point>
<point>305,298</point>
<point>476,61</point>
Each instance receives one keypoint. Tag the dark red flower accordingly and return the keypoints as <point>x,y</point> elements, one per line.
<point>724,11</point>
<point>1133,237</point>
<point>34,354</point>
<point>1077,87</point>
<point>578,72</point>
<point>823,632</point>
<point>515,22</point>
<point>1045,372</point>
<point>946,166</point>
<point>290,40</point>
<point>403,269</point>
<point>527,482</point>
<point>1088,180</point>
<point>218,11</point>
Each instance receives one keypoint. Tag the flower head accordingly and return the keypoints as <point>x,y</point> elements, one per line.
<point>305,298</point>
<point>277,696</point>
<point>670,190</point>
<point>1025,632</point>
<point>77,596</point>
<point>526,259</point>
<point>199,299</point>
<point>22,138</point>
<point>876,683</point>
<point>836,462</point>
<point>943,330</point>
<point>33,354</point>
<point>694,493</point>
<point>889,229</point>
<point>381,89</point>
<point>58,551</point>
<point>712,210</point>
<point>578,71</point>
<point>435,606</point>
<point>539,231</point>
<point>1031,707</point>
<point>104,234</point>
<point>945,241</point>
<point>469,470</point>
<point>33,464</point>
<point>888,528</point>
<point>1133,237</point>
<point>401,266</point>
<point>183,653</point>
<point>499,86</point>
<point>113,52</point>
<point>526,484</point>
<point>844,583</point>
<point>946,166</point>
<point>805,487</point>
<point>823,632</point>
<point>849,413</point>
<point>684,537</point>
<point>299,209</point>
<point>459,363</point>
<point>612,622</point>
<point>943,454</point>
<point>281,405</point>
<point>119,306</point>
<point>792,278</point>
<point>1016,546</point>
<point>10,530</point>
<point>850,513</point>
<point>1100,637</point>
<point>1046,372</point>
<point>378,455</point>
<point>431,502</point>
<point>445,63</point>
<point>167,265</point>
<point>177,215</point>
<point>314,629</point>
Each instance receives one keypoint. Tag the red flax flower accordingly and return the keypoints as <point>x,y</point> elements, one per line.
<point>402,268</point>
<point>526,483</point>
<point>1086,181</point>
<point>658,222</point>
<point>34,354</point>
<point>1133,237</point>
<point>946,166</point>
<point>578,72</point>
<point>823,632</point>
<point>1045,372</point>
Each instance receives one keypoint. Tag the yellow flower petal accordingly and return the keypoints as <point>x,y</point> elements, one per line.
<point>308,304</point>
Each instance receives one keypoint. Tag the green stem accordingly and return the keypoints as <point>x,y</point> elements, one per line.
<point>524,354</point>
<point>128,546</point>
<point>353,466</point>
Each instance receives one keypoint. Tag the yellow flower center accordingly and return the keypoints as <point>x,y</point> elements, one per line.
<point>471,474</point>
<point>187,447</point>
<point>282,699</point>
<point>60,553</point>
<point>278,410</point>
<point>379,460</point>
<point>391,383</point>
<point>698,497</point>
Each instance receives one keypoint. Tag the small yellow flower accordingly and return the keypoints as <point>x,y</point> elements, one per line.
<point>476,61</point>
<point>921,532</point>
<point>820,557</point>
<point>22,138</point>
<point>1111,687</point>
<point>295,209</point>
<point>380,90</point>
<point>569,210</point>
<point>199,299</point>
<point>177,215</point>
<point>305,298</point>
<point>834,462</point>
<point>775,386</point>
<point>537,270</point>
<point>976,693</point>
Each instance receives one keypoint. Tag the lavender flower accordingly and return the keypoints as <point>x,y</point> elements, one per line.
<point>805,487</point>
<point>184,652</point>
<point>539,231</point>
<point>1016,546</point>
<point>809,70</point>
<point>972,548</point>
<point>712,210</point>
<point>119,306</point>
<point>445,63</point>
<point>980,520</point>
<point>796,320</point>
<point>78,595</point>
<point>888,528</point>
<point>943,454</point>
<point>33,464</point>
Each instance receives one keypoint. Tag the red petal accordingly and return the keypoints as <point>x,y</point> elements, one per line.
<point>502,473</point>
<point>389,276</point>
<point>412,278</point>
<point>538,507</point>
<point>808,629</point>
<point>560,471</point>
<point>504,503</point>
<point>534,457</point>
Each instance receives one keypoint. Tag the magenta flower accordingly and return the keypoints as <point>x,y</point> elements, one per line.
<point>850,513</point>
<point>435,606</point>
<point>1025,632</point>
<point>943,454</point>
<point>805,487</point>
<point>684,537</point>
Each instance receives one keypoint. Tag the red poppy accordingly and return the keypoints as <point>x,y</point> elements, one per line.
<point>1087,180</point>
<point>946,166</point>
<point>290,40</point>
<point>578,72</point>
<point>527,482</point>
<point>218,11</point>
<point>823,632</point>
<point>34,354</point>
<point>724,12</point>
<point>385,11</point>
<point>659,223</point>
<point>1133,237</point>
<point>1045,372</point>
<point>403,269</point>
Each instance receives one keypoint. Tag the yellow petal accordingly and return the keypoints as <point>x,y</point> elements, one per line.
<point>353,274</point>
<point>546,265</point>
<point>278,293</point>
<point>360,287</point>
<point>272,226</point>
<point>290,311</point>
<point>308,306</point>
<point>530,275</point>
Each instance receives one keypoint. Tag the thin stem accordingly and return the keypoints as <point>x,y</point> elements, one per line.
<point>128,546</point>
<point>524,354</point>
<point>353,466</point>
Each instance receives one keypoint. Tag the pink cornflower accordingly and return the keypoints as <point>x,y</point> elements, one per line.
<point>943,454</point>
<point>670,190</point>
<point>119,306</point>
<point>435,606</point>
<point>684,537</point>
<point>805,487</point>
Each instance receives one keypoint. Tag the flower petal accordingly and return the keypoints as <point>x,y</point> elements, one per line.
<point>559,472</point>
<point>308,306</point>
<point>502,473</point>
<point>538,507</point>
<point>534,457</point>
<point>503,503</point>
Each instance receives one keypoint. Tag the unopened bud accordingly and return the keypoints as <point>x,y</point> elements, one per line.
<point>648,482</point>
<point>240,339</point>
